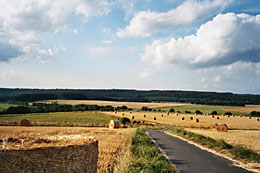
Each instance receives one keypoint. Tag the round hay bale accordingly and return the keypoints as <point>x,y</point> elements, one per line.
<point>115,112</point>
<point>154,118</point>
<point>182,118</point>
<point>228,116</point>
<point>130,112</point>
<point>168,113</point>
<point>162,115</point>
<point>113,124</point>
<point>123,114</point>
<point>250,117</point>
<point>25,122</point>
<point>191,118</point>
<point>176,114</point>
<point>144,115</point>
<point>222,128</point>
<point>213,116</point>
<point>217,118</point>
<point>257,119</point>
<point>132,117</point>
<point>240,116</point>
<point>214,126</point>
<point>197,120</point>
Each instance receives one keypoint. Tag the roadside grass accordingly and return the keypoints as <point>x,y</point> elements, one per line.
<point>238,152</point>
<point>203,108</point>
<point>147,157</point>
<point>88,119</point>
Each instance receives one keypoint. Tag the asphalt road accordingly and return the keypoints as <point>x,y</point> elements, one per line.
<point>189,158</point>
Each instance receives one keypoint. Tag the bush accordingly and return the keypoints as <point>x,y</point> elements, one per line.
<point>228,113</point>
<point>171,110</point>
<point>198,112</point>
<point>255,113</point>
<point>124,121</point>
<point>187,112</point>
<point>214,113</point>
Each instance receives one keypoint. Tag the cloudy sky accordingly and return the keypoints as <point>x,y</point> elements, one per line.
<point>202,45</point>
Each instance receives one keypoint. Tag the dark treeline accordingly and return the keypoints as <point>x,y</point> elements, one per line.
<point>44,108</point>
<point>207,98</point>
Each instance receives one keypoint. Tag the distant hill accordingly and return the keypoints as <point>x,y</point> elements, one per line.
<point>195,97</point>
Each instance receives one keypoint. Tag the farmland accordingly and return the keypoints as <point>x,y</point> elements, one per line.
<point>61,119</point>
<point>112,143</point>
<point>235,122</point>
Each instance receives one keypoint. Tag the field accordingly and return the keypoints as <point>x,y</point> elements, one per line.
<point>249,139</point>
<point>115,104</point>
<point>61,119</point>
<point>236,122</point>
<point>111,142</point>
<point>4,106</point>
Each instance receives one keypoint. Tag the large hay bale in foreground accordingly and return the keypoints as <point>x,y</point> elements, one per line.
<point>214,126</point>
<point>113,124</point>
<point>72,158</point>
<point>222,128</point>
<point>25,122</point>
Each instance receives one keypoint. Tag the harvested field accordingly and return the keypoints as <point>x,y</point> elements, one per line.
<point>204,121</point>
<point>247,138</point>
<point>115,104</point>
<point>111,142</point>
<point>246,109</point>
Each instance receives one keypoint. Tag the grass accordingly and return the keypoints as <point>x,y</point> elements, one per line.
<point>4,106</point>
<point>238,152</point>
<point>60,119</point>
<point>147,157</point>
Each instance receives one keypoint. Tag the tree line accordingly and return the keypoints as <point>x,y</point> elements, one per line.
<point>194,97</point>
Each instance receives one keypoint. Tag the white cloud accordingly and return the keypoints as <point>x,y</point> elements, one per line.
<point>216,79</point>
<point>226,39</point>
<point>145,23</point>
<point>8,75</point>
<point>107,42</point>
<point>98,50</point>
<point>22,20</point>
<point>75,31</point>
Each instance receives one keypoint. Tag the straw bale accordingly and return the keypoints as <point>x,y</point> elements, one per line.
<point>113,124</point>
<point>214,126</point>
<point>222,128</point>
<point>25,122</point>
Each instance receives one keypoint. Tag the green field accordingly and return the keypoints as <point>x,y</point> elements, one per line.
<point>4,106</point>
<point>60,119</point>
<point>204,108</point>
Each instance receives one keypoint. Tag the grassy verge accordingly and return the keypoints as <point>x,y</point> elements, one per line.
<point>238,152</point>
<point>146,156</point>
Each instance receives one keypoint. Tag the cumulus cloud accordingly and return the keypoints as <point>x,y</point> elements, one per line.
<point>22,20</point>
<point>145,23</point>
<point>226,39</point>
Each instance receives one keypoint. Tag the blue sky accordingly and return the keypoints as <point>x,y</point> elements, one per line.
<point>202,45</point>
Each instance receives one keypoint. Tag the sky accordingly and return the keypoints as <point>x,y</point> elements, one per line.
<point>195,45</point>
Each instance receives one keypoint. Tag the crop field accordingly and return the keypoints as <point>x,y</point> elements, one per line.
<point>235,122</point>
<point>111,142</point>
<point>249,139</point>
<point>115,104</point>
<point>60,119</point>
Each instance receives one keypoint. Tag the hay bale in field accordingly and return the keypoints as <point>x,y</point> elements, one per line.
<point>162,115</point>
<point>123,114</point>
<point>217,118</point>
<point>197,120</point>
<point>240,116</point>
<point>143,121</point>
<point>115,112</point>
<point>214,126</point>
<point>250,117</point>
<point>177,114</point>
<point>182,118</point>
<point>222,128</point>
<point>191,118</point>
<point>132,117</point>
<point>144,115</point>
<point>168,113</point>
<point>154,118</point>
<point>213,116</point>
<point>257,119</point>
<point>228,116</point>
<point>113,124</point>
<point>25,122</point>
<point>130,112</point>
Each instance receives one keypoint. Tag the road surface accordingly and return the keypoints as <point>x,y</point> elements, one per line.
<point>189,158</point>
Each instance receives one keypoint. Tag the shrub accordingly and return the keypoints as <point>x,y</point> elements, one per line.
<point>171,110</point>
<point>198,112</point>
<point>187,112</point>
<point>255,113</point>
<point>214,113</point>
<point>124,121</point>
<point>228,113</point>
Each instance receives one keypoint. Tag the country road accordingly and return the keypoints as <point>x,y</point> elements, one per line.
<point>189,158</point>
